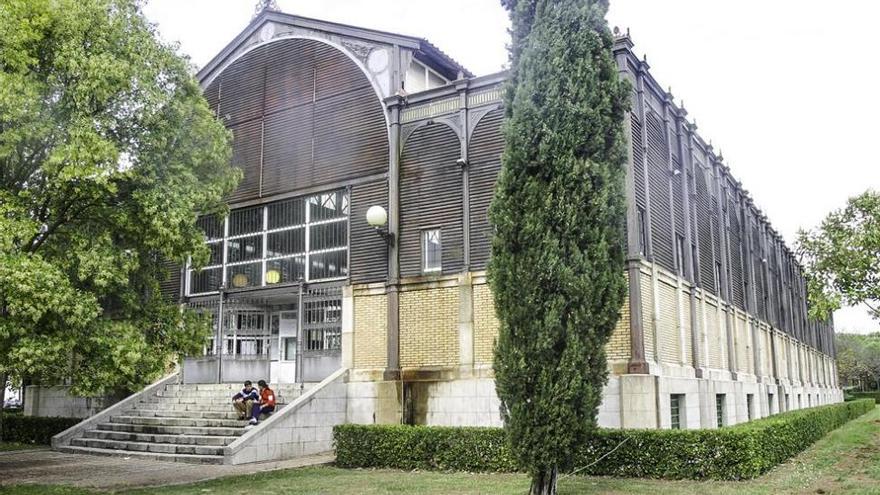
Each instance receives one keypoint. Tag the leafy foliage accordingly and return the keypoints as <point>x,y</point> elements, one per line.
<point>34,429</point>
<point>842,257</point>
<point>557,267</point>
<point>107,152</point>
<point>743,451</point>
<point>858,359</point>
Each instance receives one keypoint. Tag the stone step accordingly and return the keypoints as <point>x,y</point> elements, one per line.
<point>206,400</point>
<point>172,430</point>
<point>176,421</point>
<point>159,413</point>
<point>187,458</point>
<point>123,436</point>
<point>235,387</point>
<point>155,448</point>
<point>191,404</point>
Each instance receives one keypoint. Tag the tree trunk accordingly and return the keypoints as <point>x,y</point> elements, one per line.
<point>3,379</point>
<point>544,482</point>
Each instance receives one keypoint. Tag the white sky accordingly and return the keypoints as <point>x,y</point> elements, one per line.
<point>785,88</point>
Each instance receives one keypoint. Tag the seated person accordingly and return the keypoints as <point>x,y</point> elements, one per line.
<point>243,401</point>
<point>266,404</point>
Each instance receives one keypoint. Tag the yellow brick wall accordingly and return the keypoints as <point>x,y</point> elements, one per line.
<point>429,327</point>
<point>370,331</point>
<point>618,346</point>
<point>741,342</point>
<point>686,326</point>
<point>713,337</point>
<point>669,340</point>
<point>647,289</point>
<point>485,324</point>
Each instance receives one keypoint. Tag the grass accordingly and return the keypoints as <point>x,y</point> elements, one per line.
<point>847,460</point>
<point>9,446</point>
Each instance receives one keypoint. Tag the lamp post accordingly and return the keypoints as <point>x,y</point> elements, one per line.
<point>377,218</point>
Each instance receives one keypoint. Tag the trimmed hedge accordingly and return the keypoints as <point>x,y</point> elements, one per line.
<point>866,395</point>
<point>738,452</point>
<point>34,429</point>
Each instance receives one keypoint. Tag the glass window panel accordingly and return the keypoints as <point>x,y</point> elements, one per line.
<point>432,249</point>
<point>285,270</point>
<point>287,213</point>
<point>328,236</point>
<point>328,265</point>
<point>327,206</point>
<point>211,225</point>
<point>290,349</point>
<point>247,275</point>
<point>291,241</point>
<point>246,220</point>
<point>216,253</point>
<point>207,280</point>
<point>245,249</point>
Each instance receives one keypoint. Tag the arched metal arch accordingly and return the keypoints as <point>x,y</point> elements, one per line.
<point>451,121</point>
<point>341,48</point>
<point>476,116</point>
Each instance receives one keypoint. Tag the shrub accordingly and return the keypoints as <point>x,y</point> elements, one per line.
<point>866,395</point>
<point>738,452</point>
<point>34,429</point>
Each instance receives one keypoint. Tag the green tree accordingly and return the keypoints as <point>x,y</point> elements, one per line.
<point>107,152</point>
<point>842,258</point>
<point>557,268</point>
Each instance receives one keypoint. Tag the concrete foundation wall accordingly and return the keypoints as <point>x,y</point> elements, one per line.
<point>301,428</point>
<point>57,401</point>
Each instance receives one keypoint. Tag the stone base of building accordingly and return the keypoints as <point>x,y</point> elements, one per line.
<point>56,401</point>
<point>630,401</point>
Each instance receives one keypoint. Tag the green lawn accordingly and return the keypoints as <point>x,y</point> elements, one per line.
<point>846,461</point>
<point>8,446</point>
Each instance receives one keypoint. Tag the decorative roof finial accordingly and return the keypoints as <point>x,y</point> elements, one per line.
<point>263,5</point>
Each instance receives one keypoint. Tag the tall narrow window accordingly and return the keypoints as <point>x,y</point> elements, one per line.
<point>676,404</point>
<point>719,409</point>
<point>770,404</point>
<point>679,254</point>
<point>750,404</point>
<point>432,250</point>
<point>643,233</point>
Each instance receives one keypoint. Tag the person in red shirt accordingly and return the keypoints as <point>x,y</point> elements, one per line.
<point>266,404</point>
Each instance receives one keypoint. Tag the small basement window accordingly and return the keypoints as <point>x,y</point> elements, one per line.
<point>432,251</point>
<point>676,405</point>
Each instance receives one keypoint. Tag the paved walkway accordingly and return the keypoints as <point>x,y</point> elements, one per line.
<point>48,467</point>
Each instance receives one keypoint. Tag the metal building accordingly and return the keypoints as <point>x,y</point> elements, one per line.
<point>330,120</point>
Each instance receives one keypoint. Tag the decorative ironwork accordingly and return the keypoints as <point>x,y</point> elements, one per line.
<point>265,5</point>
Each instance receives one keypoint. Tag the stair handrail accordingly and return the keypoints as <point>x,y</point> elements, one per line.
<point>63,439</point>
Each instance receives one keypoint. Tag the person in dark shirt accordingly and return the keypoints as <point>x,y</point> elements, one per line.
<point>243,402</point>
<point>266,405</point>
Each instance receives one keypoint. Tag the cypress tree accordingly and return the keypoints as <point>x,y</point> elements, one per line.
<point>557,268</point>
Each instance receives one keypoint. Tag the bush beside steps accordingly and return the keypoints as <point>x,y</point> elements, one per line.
<point>34,429</point>
<point>732,453</point>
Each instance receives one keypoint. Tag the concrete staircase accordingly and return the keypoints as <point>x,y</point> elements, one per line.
<point>182,423</point>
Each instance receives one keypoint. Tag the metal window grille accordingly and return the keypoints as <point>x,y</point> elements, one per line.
<point>299,239</point>
<point>675,404</point>
<point>719,409</point>
<point>322,319</point>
